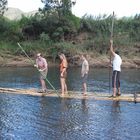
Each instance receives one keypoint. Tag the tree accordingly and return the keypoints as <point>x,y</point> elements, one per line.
<point>62,7</point>
<point>3,6</point>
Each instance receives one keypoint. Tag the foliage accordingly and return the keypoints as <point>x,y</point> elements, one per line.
<point>45,39</point>
<point>126,30</point>
<point>61,7</point>
<point>9,30</point>
<point>99,26</point>
<point>3,6</point>
<point>135,28</point>
<point>58,29</point>
<point>53,32</point>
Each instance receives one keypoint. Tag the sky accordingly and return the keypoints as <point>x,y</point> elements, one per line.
<point>121,8</point>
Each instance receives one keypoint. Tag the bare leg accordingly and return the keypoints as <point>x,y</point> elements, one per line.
<point>43,84</point>
<point>62,85</point>
<point>119,91</point>
<point>65,86</point>
<point>114,91</point>
<point>84,88</point>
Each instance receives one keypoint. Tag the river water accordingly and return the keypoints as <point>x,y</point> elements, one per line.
<point>98,80</point>
<point>26,117</point>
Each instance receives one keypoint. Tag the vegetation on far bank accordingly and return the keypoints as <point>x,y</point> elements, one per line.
<point>55,29</point>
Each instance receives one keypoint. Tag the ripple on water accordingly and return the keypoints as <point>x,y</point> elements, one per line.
<point>37,118</point>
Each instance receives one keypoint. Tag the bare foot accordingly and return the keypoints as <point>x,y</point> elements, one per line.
<point>112,96</point>
<point>62,94</point>
<point>119,94</point>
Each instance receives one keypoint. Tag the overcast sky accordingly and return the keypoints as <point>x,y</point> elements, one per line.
<point>91,7</point>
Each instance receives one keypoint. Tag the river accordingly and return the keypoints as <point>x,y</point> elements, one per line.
<point>98,80</point>
<point>26,117</point>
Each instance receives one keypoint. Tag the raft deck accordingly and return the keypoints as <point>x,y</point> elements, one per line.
<point>73,94</point>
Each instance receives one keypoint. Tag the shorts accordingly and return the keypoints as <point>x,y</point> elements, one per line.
<point>43,74</point>
<point>116,79</point>
<point>84,78</point>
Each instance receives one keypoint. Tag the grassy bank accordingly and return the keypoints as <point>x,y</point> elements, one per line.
<point>11,54</point>
<point>53,33</point>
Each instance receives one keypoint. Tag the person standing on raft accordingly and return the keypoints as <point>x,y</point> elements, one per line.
<point>84,73</point>
<point>116,63</point>
<point>42,67</point>
<point>63,74</point>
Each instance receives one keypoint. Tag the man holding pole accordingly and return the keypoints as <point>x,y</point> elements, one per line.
<point>42,67</point>
<point>116,63</point>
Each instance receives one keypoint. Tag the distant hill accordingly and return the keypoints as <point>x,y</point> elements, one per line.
<point>16,14</point>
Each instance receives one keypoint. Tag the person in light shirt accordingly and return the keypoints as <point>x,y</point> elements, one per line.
<point>42,67</point>
<point>84,73</point>
<point>116,63</point>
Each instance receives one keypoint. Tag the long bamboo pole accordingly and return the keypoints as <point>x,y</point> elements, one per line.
<point>38,69</point>
<point>111,38</point>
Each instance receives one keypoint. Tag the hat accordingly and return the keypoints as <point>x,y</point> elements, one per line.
<point>38,54</point>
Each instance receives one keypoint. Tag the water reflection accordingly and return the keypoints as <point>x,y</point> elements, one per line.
<point>116,106</point>
<point>115,118</point>
<point>84,105</point>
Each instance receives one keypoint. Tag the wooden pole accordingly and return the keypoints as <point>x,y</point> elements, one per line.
<point>111,38</point>
<point>38,69</point>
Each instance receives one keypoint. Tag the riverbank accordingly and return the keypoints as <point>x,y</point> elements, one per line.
<point>98,62</point>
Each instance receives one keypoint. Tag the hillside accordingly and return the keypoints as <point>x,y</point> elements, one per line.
<point>16,14</point>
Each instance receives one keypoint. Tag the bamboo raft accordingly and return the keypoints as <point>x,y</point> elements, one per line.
<point>72,94</point>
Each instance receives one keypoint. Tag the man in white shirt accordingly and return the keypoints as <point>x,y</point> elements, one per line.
<point>117,61</point>
<point>84,73</point>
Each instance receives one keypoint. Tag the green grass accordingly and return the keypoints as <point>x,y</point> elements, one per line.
<point>93,47</point>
